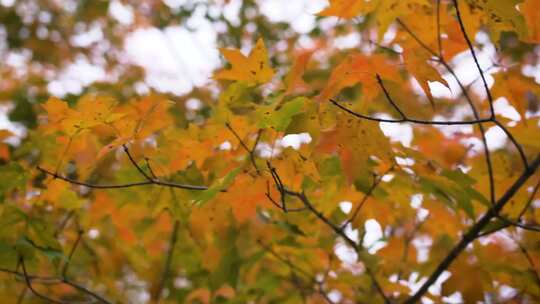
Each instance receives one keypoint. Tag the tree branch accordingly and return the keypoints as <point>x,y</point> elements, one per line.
<point>475,230</point>
<point>126,185</point>
<point>469,101</point>
<point>471,48</point>
<point>337,230</point>
<point>77,240</point>
<point>251,152</point>
<point>29,285</point>
<point>368,194</point>
<point>51,281</point>
<point>411,120</point>
<point>168,260</point>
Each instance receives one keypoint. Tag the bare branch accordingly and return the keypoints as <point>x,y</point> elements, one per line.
<point>29,279</point>
<point>376,182</point>
<point>532,266</point>
<point>471,104</point>
<point>411,120</point>
<point>337,230</point>
<point>168,261</point>
<point>134,163</point>
<point>70,256</point>
<point>514,142</point>
<point>251,152</point>
<point>29,285</point>
<point>127,185</point>
<point>471,48</point>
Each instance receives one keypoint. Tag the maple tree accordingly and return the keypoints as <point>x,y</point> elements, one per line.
<point>266,192</point>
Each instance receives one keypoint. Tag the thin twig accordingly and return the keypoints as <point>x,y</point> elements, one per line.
<point>243,144</point>
<point>134,163</point>
<point>294,268</point>
<point>150,168</point>
<point>70,256</point>
<point>390,100</point>
<point>514,142</point>
<point>337,230</point>
<point>532,266</point>
<point>29,285</point>
<point>471,104</point>
<point>376,182</point>
<point>51,281</point>
<point>126,185</point>
<point>411,120</point>
<point>168,260</point>
<point>510,222</point>
<point>471,48</point>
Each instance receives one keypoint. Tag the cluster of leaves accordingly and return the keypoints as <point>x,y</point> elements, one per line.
<point>106,190</point>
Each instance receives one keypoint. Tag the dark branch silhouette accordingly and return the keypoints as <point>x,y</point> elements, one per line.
<point>337,230</point>
<point>475,230</point>
<point>251,151</point>
<point>126,185</point>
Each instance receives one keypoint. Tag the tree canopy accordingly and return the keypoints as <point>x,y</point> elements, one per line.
<point>269,151</point>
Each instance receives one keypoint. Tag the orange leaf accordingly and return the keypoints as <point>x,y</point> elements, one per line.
<point>347,8</point>
<point>293,80</point>
<point>358,68</point>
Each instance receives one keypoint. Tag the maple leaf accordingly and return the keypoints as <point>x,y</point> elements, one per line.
<point>347,8</point>
<point>358,68</point>
<point>531,11</point>
<point>293,81</point>
<point>417,65</point>
<point>253,69</point>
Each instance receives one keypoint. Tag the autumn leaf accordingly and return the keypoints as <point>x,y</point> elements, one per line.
<point>417,64</point>
<point>356,141</point>
<point>293,81</point>
<point>253,69</point>
<point>347,8</point>
<point>515,87</point>
<point>531,11</point>
<point>358,68</point>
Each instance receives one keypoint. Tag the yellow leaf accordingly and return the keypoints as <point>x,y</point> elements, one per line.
<point>5,134</point>
<point>388,10</point>
<point>56,109</point>
<point>417,64</point>
<point>253,69</point>
<point>513,85</point>
<point>355,141</point>
<point>95,110</point>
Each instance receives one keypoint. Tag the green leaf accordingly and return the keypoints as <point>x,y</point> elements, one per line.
<point>292,228</point>
<point>12,176</point>
<point>8,255</point>
<point>70,200</point>
<point>219,185</point>
<point>280,118</point>
<point>230,262</point>
<point>237,97</point>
